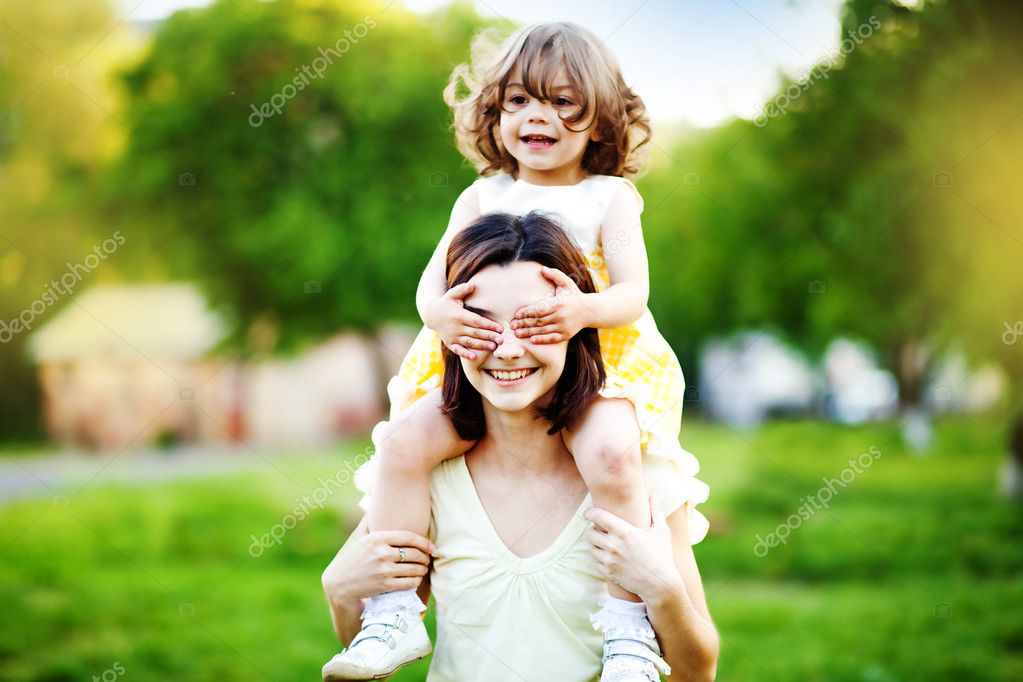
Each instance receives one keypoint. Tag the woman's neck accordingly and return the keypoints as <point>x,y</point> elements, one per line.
<point>519,441</point>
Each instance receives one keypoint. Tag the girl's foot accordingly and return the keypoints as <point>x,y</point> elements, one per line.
<point>384,644</point>
<point>631,655</point>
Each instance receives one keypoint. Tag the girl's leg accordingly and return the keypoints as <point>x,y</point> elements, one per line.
<point>409,448</point>
<point>605,445</point>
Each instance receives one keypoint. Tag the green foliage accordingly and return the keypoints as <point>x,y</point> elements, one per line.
<point>887,180</point>
<point>159,578</point>
<point>319,211</point>
<point>56,135</point>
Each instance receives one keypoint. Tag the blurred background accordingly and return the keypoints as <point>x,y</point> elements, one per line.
<point>213,216</point>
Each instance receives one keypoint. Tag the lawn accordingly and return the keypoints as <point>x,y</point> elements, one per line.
<point>912,572</point>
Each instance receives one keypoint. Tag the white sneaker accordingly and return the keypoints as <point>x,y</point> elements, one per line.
<point>384,644</point>
<point>631,656</point>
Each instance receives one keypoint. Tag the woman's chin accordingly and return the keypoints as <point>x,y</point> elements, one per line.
<point>510,402</point>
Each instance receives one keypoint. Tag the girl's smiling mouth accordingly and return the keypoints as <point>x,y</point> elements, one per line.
<point>505,377</point>
<point>538,141</point>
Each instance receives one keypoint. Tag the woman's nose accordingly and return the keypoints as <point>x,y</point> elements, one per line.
<point>511,346</point>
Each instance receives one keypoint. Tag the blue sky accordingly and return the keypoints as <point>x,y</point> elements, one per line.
<point>694,61</point>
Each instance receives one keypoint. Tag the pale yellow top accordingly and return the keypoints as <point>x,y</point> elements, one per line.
<point>501,617</point>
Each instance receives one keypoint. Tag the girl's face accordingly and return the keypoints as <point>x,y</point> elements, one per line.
<point>533,132</point>
<point>519,373</point>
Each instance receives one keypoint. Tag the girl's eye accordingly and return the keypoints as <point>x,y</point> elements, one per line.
<point>562,102</point>
<point>517,99</point>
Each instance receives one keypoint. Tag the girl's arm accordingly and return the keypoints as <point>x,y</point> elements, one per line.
<point>621,236</point>
<point>432,283</point>
<point>441,309</point>
<point>561,316</point>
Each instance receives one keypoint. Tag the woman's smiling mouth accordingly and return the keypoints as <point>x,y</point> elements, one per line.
<point>506,377</point>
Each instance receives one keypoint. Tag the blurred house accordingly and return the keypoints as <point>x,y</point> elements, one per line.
<point>858,390</point>
<point>753,376</point>
<point>132,366</point>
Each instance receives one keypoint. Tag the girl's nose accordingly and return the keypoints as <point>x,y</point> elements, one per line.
<point>538,112</point>
<point>511,346</point>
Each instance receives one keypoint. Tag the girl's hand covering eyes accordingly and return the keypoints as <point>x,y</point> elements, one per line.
<point>459,329</point>
<point>554,319</point>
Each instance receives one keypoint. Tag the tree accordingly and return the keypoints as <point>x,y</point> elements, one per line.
<point>297,155</point>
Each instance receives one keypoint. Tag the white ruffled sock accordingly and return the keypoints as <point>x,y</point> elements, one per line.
<point>623,614</point>
<point>405,601</point>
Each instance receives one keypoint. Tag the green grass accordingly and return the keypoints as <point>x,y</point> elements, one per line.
<point>911,573</point>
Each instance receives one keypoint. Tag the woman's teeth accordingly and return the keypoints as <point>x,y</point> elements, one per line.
<point>509,376</point>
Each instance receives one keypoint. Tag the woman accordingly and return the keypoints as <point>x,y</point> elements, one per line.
<point>514,565</point>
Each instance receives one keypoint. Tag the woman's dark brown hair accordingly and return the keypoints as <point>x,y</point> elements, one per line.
<point>501,239</point>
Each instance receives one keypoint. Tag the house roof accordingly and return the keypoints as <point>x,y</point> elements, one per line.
<point>125,321</point>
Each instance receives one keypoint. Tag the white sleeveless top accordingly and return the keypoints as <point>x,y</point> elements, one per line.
<point>580,207</point>
<point>504,618</point>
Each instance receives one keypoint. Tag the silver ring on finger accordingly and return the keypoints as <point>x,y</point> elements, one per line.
<point>401,554</point>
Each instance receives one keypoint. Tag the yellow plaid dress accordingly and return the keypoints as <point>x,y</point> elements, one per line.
<point>640,364</point>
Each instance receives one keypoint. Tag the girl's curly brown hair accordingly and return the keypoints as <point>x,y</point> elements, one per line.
<point>476,92</point>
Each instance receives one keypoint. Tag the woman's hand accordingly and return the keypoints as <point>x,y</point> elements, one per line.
<point>639,559</point>
<point>459,329</point>
<point>556,318</point>
<point>368,565</point>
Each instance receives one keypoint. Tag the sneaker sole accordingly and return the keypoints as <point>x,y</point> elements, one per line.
<point>333,678</point>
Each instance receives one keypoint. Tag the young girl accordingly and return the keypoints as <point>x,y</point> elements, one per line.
<point>550,124</point>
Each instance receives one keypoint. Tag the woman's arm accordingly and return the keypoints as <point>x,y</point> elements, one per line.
<point>621,236</point>
<point>658,564</point>
<point>679,612</point>
<point>367,565</point>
